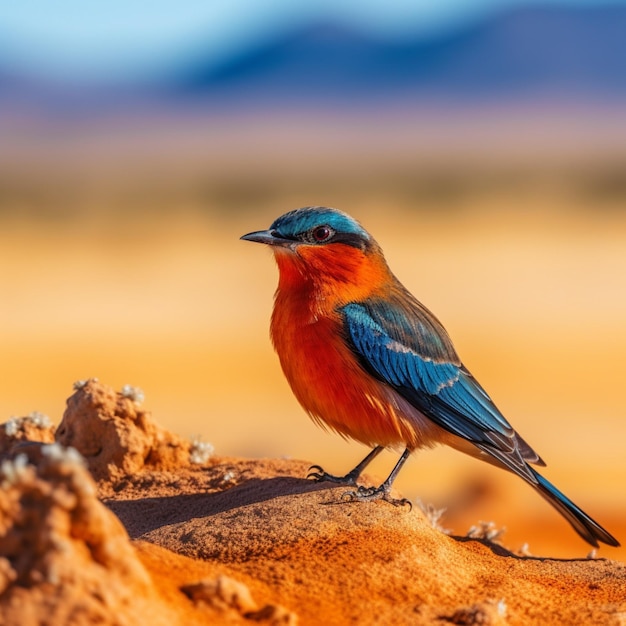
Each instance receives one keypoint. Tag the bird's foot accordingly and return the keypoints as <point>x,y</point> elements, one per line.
<point>318,474</point>
<point>368,494</point>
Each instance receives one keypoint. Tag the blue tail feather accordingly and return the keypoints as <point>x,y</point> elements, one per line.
<point>586,527</point>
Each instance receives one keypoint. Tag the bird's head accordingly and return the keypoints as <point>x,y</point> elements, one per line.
<point>324,246</point>
<point>313,226</point>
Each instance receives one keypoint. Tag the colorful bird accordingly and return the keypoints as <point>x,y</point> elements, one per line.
<point>367,360</point>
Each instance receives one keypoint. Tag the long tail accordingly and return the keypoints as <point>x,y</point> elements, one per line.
<point>586,527</point>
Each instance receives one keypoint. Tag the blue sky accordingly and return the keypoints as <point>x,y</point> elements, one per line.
<point>129,39</point>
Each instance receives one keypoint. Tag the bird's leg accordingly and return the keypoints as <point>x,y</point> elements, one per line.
<point>319,475</point>
<point>382,493</point>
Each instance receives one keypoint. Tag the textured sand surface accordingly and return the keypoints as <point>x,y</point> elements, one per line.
<point>145,528</point>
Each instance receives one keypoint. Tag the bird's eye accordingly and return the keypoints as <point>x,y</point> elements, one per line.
<point>320,234</point>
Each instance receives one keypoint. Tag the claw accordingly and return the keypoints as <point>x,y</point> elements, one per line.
<point>400,502</point>
<point>318,474</point>
<point>349,496</point>
<point>369,494</point>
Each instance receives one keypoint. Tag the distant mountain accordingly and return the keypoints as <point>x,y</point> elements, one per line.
<point>573,54</point>
<point>528,51</point>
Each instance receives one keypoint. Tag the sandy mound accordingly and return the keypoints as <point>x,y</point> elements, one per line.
<point>115,435</point>
<point>23,435</point>
<point>338,562</point>
<point>65,558</point>
<point>222,540</point>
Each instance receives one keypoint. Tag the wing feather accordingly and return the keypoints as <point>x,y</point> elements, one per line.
<point>433,380</point>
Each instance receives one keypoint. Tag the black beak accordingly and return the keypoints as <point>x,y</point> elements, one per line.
<point>268,237</point>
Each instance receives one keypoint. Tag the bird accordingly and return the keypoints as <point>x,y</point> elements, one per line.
<point>367,360</point>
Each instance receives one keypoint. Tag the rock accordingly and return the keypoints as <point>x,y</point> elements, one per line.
<point>223,593</point>
<point>115,435</point>
<point>66,559</point>
<point>20,433</point>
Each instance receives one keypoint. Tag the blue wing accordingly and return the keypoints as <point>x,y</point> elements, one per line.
<point>409,350</point>
<point>404,345</point>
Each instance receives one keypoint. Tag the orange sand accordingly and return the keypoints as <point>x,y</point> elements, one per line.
<point>188,538</point>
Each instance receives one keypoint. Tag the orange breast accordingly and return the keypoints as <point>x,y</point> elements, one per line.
<point>324,374</point>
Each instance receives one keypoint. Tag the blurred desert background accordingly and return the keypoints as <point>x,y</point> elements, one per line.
<point>485,150</point>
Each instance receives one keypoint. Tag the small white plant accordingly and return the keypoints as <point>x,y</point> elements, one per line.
<point>41,420</point>
<point>501,607</point>
<point>486,530</point>
<point>200,451</point>
<point>133,393</point>
<point>79,384</point>
<point>229,476</point>
<point>56,452</point>
<point>12,470</point>
<point>433,515</point>
<point>13,425</point>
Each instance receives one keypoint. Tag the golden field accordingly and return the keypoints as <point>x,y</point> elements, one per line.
<point>155,289</point>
